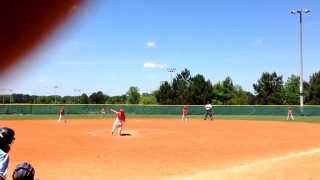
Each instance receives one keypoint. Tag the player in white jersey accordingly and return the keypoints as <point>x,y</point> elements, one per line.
<point>290,113</point>
<point>208,109</point>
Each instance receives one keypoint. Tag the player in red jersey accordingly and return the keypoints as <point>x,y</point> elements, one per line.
<point>185,112</point>
<point>61,115</point>
<point>119,122</point>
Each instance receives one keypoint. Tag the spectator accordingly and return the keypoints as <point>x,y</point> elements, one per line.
<point>6,139</point>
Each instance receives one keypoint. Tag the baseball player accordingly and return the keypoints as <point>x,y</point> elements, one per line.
<point>290,113</point>
<point>119,122</point>
<point>6,139</point>
<point>61,115</point>
<point>185,112</point>
<point>208,108</point>
<point>103,112</point>
<point>23,171</point>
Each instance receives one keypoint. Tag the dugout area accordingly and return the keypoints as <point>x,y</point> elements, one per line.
<point>161,148</point>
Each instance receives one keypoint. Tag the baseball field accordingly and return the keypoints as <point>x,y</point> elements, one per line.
<point>167,148</point>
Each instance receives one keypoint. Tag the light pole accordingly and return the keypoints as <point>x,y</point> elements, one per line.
<point>171,71</point>
<point>77,99</point>
<point>34,97</point>
<point>11,98</point>
<point>55,93</point>
<point>300,12</point>
<point>3,94</point>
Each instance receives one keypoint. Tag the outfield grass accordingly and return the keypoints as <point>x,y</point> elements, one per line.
<point>313,119</point>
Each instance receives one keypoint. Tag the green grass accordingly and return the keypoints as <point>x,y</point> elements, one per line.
<point>313,119</point>
<point>48,116</point>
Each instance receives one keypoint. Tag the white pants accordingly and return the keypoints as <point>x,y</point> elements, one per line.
<point>185,117</point>
<point>290,117</point>
<point>60,118</point>
<point>117,124</point>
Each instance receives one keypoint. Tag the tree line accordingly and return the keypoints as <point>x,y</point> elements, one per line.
<point>131,97</point>
<point>270,89</point>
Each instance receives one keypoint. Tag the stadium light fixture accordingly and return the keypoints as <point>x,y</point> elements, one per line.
<point>55,93</point>
<point>3,94</point>
<point>11,95</point>
<point>293,11</point>
<point>301,12</point>
<point>79,91</point>
<point>171,71</point>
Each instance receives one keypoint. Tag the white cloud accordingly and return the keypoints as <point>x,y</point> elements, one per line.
<point>154,65</point>
<point>151,44</point>
<point>43,80</point>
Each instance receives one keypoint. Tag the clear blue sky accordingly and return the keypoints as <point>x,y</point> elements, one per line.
<point>113,44</point>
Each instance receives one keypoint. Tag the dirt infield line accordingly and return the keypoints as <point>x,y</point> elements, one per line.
<point>226,173</point>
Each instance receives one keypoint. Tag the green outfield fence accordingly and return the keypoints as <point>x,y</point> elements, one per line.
<point>308,110</point>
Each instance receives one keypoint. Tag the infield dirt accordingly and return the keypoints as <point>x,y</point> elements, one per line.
<point>167,149</point>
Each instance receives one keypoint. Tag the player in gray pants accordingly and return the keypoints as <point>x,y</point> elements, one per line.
<point>208,108</point>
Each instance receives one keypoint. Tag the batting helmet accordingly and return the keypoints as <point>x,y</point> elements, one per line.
<point>6,138</point>
<point>23,171</point>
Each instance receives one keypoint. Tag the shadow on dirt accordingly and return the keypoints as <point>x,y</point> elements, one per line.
<point>125,134</point>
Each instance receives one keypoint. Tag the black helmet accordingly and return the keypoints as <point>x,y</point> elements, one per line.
<point>23,171</point>
<point>6,138</point>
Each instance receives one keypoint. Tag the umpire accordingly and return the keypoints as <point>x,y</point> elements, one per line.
<point>208,108</point>
<point>6,139</point>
